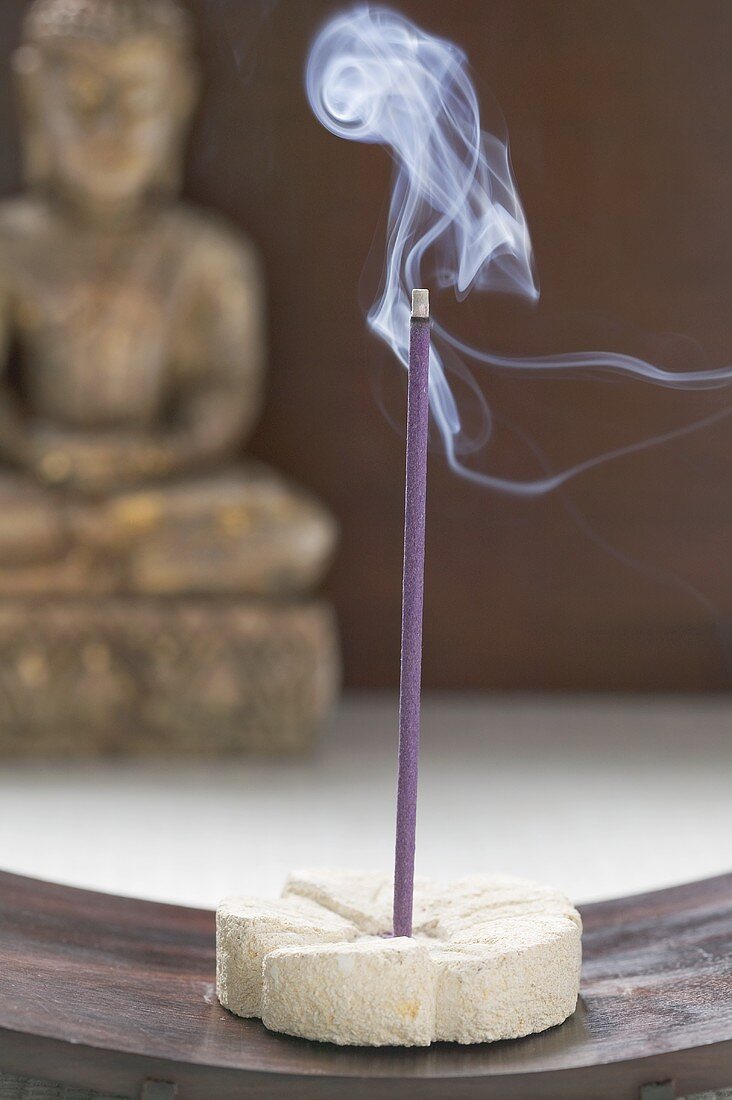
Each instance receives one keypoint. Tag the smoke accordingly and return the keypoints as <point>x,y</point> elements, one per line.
<point>455,217</point>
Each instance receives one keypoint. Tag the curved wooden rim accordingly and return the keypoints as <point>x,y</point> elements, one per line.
<point>131,979</point>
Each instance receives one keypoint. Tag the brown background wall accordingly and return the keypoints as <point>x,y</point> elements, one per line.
<point>619,121</point>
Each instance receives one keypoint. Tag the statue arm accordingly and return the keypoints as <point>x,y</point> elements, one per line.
<point>15,438</point>
<point>223,397</point>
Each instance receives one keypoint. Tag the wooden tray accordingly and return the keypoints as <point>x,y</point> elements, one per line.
<point>109,993</point>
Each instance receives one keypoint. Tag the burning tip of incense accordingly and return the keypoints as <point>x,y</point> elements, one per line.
<point>420,303</point>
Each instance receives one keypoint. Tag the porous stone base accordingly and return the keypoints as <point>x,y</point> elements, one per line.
<point>163,675</point>
<point>492,957</point>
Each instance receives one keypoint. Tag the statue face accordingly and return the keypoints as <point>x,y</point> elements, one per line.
<point>112,117</point>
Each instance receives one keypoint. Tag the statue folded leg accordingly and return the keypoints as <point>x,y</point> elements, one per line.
<point>33,529</point>
<point>244,530</point>
<point>39,554</point>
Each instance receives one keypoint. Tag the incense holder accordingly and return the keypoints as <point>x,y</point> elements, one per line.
<point>491,957</point>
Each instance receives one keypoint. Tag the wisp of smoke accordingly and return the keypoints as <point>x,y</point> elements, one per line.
<point>373,76</point>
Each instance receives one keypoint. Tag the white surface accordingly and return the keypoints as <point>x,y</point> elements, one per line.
<point>493,957</point>
<point>596,796</point>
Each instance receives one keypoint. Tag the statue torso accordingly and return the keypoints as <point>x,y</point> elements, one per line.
<point>96,314</point>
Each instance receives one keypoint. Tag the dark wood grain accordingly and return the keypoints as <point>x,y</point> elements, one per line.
<point>618,114</point>
<point>104,992</point>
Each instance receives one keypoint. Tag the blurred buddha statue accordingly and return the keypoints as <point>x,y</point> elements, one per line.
<point>132,334</point>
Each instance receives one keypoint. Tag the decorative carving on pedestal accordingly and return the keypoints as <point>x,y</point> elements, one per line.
<point>140,675</point>
<point>154,588</point>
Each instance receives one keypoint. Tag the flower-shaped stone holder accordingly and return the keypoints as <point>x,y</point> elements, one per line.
<point>492,957</point>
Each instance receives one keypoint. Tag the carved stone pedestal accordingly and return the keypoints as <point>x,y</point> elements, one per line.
<point>145,675</point>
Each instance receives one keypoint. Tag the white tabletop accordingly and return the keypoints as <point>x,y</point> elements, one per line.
<point>599,796</point>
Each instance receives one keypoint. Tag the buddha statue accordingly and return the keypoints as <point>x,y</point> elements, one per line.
<point>132,338</point>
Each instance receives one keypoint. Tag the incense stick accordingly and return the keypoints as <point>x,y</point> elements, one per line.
<point>412,605</point>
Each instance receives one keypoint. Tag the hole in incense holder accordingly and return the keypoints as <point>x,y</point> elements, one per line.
<point>492,957</point>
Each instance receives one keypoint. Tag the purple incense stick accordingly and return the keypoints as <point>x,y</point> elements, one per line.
<point>412,603</point>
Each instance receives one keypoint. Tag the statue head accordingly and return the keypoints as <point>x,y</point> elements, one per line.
<point>107,90</point>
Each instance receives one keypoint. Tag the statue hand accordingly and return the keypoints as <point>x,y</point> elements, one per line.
<point>98,463</point>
